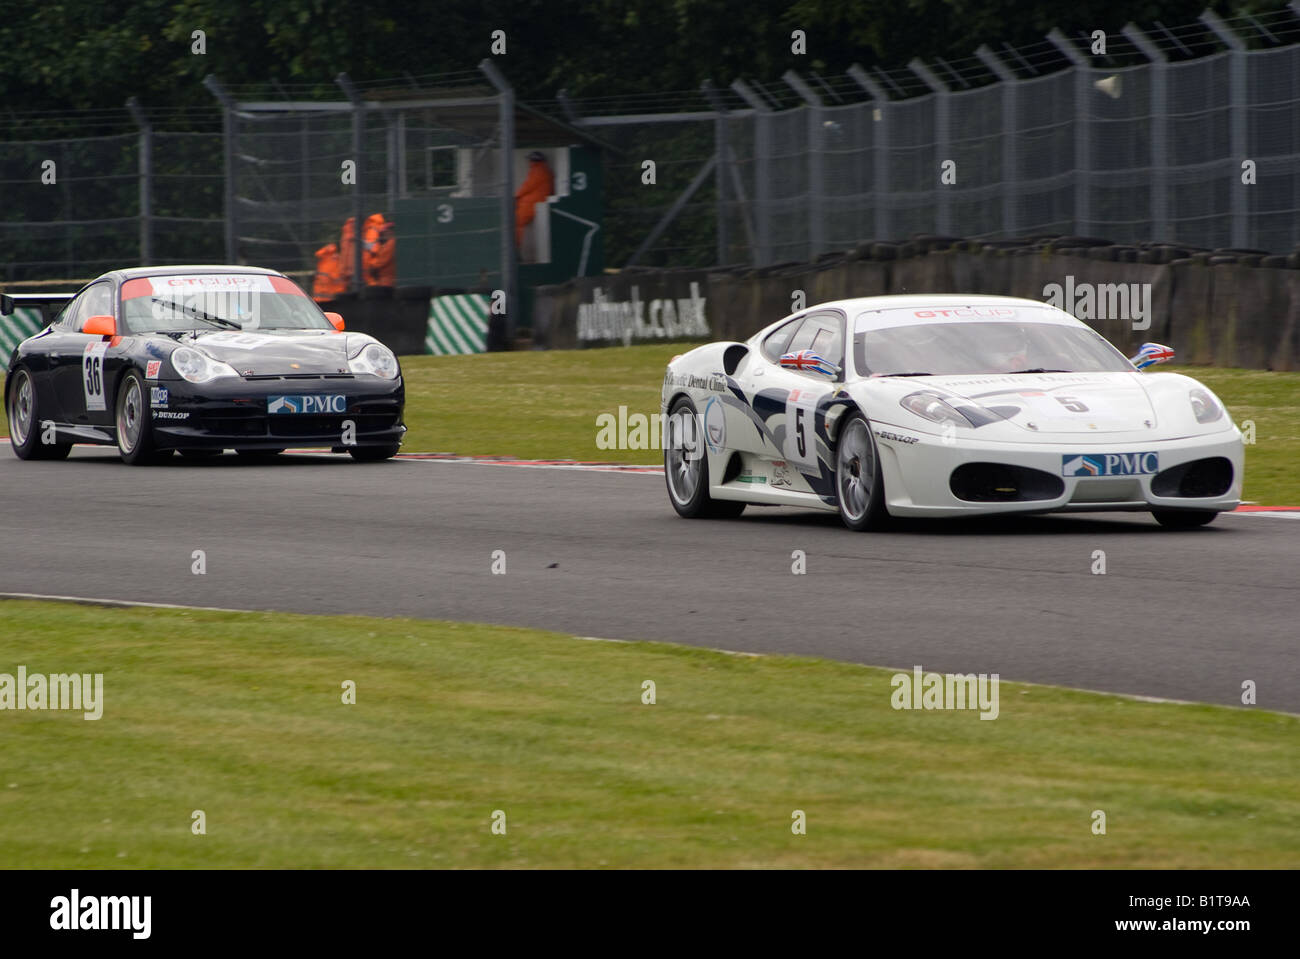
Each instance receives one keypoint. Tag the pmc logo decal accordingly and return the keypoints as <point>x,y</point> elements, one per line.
<point>335,403</point>
<point>1109,464</point>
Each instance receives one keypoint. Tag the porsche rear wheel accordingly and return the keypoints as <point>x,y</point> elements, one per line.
<point>25,430</point>
<point>1184,518</point>
<point>134,430</point>
<point>686,468</point>
<point>859,486</point>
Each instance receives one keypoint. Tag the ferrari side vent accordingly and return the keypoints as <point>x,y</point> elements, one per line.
<point>1002,483</point>
<point>1208,477</point>
<point>733,468</point>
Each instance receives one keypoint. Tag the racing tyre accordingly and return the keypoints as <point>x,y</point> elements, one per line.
<point>25,422</point>
<point>859,486</point>
<point>1184,518</point>
<point>373,454</point>
<point>131,417</point>
<point>686,471</point>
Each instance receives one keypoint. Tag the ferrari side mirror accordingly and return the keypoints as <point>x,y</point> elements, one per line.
<point>1149,354</point>
<point>806,361</point>
<point>336,319</point>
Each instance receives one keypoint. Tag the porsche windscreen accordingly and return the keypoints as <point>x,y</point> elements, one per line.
<point>217,301</point>
<point>1023,342</point>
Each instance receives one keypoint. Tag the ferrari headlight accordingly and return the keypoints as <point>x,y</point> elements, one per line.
<point>932,407</point>
<point>377,359</point>
<point>197,367</point>
<point>1204,406</point>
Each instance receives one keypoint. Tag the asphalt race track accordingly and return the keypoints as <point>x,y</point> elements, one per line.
<point>1181,615</point>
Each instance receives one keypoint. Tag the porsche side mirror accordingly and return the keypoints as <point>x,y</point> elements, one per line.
<point>336,319</point>
<point>1149,354</point>
<point>806,361</point>
<point>100,326</point>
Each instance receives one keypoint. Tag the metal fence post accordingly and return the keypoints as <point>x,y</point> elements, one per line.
<point>816,169</point>
<point>762,252</point>
<point>880,143</point>
<point>506,118</point>
<point>1010,136</point>
<point>942,140</point>
<point>1159,130</point>
<point>358,191</point>
<point>1237,120</point>
<point>146,180</point>
<point>720,168</point>
<point>1082,131</point>
<point>229,130</point>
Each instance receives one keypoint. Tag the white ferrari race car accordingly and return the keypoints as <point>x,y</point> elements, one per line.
<point>942,406</point>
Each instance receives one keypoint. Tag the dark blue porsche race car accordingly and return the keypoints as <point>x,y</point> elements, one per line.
<point>199,359</point>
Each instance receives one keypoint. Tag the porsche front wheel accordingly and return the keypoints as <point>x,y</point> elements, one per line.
<point>134,429</point>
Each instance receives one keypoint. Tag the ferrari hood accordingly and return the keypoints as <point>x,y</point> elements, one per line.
<point>1089,403</point>
<point>275,353</point>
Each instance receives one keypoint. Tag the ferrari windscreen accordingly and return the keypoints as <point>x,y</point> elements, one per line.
<point>1019,345</point>
<point>217,301</point>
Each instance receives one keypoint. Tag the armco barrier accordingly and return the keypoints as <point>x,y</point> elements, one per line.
<point>1227,308</point>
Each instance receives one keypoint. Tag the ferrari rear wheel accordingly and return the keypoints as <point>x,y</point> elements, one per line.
<point>1184,518</point>
<point>25,431</point>
<point>686,468</point>
<point>859,486</point>
<point>134,430</point>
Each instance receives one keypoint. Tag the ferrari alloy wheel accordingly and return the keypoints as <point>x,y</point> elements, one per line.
<point>1184,518</point>
<point>859,488</point>
<point>686,468</point>
<point>25,432</point>
<point>134,430</point>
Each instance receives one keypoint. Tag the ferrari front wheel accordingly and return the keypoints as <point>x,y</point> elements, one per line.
<point>859,486</point>
<point>1183,518</point>
<point>686,468</point>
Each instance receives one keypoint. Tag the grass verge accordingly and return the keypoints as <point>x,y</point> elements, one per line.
<point>240,715</point>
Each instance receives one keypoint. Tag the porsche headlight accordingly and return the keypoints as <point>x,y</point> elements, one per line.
<point>932,407</point>
<point>197,367</point>
<point>377,359</point>
<point>1205,407</point>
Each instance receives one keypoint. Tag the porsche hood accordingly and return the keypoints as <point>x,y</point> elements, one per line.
<point>280,352</point>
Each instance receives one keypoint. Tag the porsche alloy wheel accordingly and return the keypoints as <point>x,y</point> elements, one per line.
<point>134,431</point>
<point>25,433</point>
<point>859,487</point>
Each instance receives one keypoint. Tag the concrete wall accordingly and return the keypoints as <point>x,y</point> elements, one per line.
<point>1227,308</point>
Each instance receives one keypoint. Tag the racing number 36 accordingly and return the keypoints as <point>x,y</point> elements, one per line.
<point>92,367</point>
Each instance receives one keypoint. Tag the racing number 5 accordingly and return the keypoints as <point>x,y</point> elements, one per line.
<point>798,432</point>
<point>1071,404</point>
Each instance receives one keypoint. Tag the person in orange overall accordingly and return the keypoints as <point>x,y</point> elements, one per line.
<point>537,186</point>
<point>378,256</point>
<point>347,252</point>
<point>328,282</point>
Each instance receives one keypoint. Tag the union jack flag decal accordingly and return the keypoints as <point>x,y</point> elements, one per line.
<point>1149,354</point>
<point>806,361</point>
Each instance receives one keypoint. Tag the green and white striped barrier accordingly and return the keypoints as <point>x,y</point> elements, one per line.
<point>457,324</point>
<point>16,328</point>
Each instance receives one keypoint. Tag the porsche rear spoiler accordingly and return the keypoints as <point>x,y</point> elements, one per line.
<point>43,301</point>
